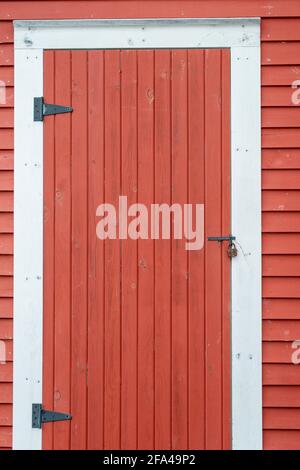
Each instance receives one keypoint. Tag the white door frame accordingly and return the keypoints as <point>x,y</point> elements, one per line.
<point>242,36</point>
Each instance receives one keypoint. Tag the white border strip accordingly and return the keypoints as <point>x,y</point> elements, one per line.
<point>131,33</point>
<point>28,249</point>
<point>243,37</point>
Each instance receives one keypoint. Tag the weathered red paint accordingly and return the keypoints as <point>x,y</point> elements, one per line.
<point>138,332</point>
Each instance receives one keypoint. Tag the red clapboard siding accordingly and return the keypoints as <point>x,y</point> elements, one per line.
<point>6,244</point>
<point>6,307</point>
<point>6,328</point>
<point>280,53</point>
<point>280,29</point>
<point>8,98</point>
<point>279,117</point>
<point>6,32</point>
<point>282,152</point>
<point>6,54</point>
<point>6,286</point>
<point>278,95</point>
<point>281,200</point>
<point>6,180</point>
<point>5,393</point>
<point>281,222</point>
<point>285,243</point>
<point>6,372</point>
<point>280,138</point>
<point>8,348</point>
<point>6,222</point>
<point>280,158</point>
<point>281,308</point>
<point>277,352</point>
<point>6,117</point>
<point>281,440</point>
<point>281,179</point>
<point>281,396</point>
<point>150,9</point>
<point>7,75</point>
<point>281,287</point>
<point>281,330</point>
<point>281,418</point>
<point>6,139</point>
<point>6,265</point>
<point>281,374</point>
<point>279,75</point>
<point>5,437</point>
<point>6,201</point>
<point>6,160</point>
<point>5,414</point>
<point>281,265</point>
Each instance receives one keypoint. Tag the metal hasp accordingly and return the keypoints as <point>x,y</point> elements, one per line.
<point>41,109</point>
<point>40,416</point>
<point>229,238</point>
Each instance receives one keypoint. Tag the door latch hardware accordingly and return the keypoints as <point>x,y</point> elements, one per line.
<point>221,239</point>
<point>40,416</point>
<point>41,109</point>
<point>232,250</point>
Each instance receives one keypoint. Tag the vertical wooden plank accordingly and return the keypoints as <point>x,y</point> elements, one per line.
<point>179,256</point>
<point>162,252</point>
<point>146,96</point>
<point>196,168</point>
<point>95,340</point>
<point>79,250</point>
<point>213,256</point>
<point>226,228</point>
<point>48,302</point>
<point>112,253</point>
<point>62,203</point>
<point>129,253</point>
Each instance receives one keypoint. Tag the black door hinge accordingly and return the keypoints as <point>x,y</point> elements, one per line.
<point>41,109</point>
<point>40,416</point>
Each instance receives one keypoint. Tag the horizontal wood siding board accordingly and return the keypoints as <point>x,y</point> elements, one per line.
<point>278,95</point>
<point>279,179</point>
<point>281,396</point>
<point>280,53</point>
<point>279,75</point>
<point>281,204</point>
<point>280,29</point>
<point>150,9</point>
<point>5,437</point>
<point>281,222</point>
<point>5,414</point>
<point>277,352</point>
<point>281,138</point>
<point>281,330</point>
<point>6,32</point>
<point>6,118</point>
<point>281,374</point>
<point>281,440</point>
<point>280,117</point>
<point>281,158</point>
<point>281,265</point>
<point>281,287</point>
<point>281,418</point>
<point>5,393</point>
<point>281,200</point>
<point>281,309</point>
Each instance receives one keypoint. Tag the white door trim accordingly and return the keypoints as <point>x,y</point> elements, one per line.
<point>242,36</point>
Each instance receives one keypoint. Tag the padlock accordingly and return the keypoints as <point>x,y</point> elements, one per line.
<point>232,250</point>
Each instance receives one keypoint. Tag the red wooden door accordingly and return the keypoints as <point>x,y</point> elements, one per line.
<point>136,332</point>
